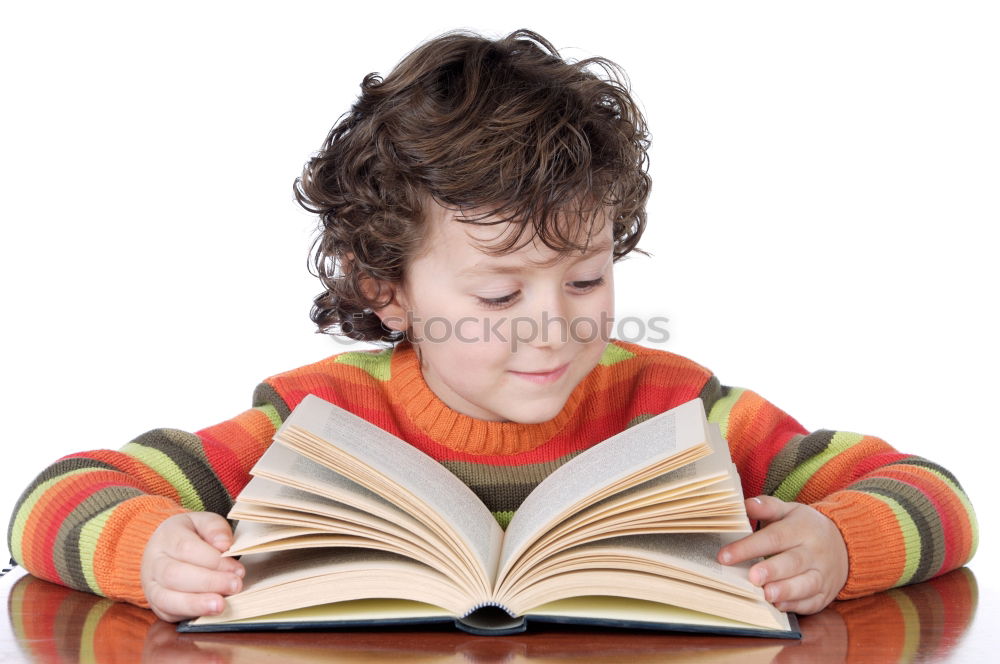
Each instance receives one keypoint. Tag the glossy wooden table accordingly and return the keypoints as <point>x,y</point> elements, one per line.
<point>941,620</point>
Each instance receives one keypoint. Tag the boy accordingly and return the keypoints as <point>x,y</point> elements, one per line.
<point>473,205</point>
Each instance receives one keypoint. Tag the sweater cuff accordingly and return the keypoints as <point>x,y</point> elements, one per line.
<point>876,551</point>
<point>118,559</point>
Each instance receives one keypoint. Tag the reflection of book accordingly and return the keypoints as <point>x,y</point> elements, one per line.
<point>428,647</point>
<point>344,524</point>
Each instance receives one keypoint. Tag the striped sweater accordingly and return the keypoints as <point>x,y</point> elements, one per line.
<point>85,520</point>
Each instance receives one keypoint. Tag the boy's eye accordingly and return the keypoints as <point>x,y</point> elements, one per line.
<point>504,300</point>
<point>586,285</point>
<point>496,302</point>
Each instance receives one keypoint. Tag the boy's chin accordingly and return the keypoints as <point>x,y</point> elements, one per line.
<point>535,412</point>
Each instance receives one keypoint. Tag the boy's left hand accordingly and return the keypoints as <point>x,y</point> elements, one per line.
<point>807,566</point>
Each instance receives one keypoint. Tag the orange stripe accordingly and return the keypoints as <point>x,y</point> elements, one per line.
<point>955,520</point>
<point>874,540</point>
<point>120,635</point>
<point>37,556</point>
<point>756,432</point>
<point>149,480</point>
<point>836,473</point>
<point>118,554</point>
<point>876,619</point>
<point>247,436</point>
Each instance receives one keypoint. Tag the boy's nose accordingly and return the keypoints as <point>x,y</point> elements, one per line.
<point>551,321</point>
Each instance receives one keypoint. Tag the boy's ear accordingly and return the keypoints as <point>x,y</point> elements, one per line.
<point>393,312</point>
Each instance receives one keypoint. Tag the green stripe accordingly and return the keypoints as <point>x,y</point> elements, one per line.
<point>911,537</point>
<point>613,354</point>
<point>28,504</point>
<point>272,414</point>
<point>170,471</point>
<point>89,630</point>
<point>955,488</point>
<point>789,489</point>
<point>724,406</point>
<point>66,549</point>
<point>911,626</point>
<point>89,535</point>
<point>503,518</point>
<point>375,364</point>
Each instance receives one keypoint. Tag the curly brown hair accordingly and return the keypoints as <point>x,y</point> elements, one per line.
<point>506,126</point>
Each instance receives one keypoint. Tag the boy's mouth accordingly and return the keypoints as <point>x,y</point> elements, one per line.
<point>542,376</point>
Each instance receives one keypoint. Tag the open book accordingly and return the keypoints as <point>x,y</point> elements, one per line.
<point>344,524</point>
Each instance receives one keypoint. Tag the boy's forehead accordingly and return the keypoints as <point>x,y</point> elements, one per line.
<point>463,243</point>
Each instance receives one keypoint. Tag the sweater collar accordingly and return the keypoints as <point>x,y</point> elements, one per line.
<point>411,395</point>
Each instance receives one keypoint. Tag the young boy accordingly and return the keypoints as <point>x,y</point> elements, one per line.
<point>472,207</point>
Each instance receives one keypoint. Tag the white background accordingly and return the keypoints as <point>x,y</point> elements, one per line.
<point>823,220</point>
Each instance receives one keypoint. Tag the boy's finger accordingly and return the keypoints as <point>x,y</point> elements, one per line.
<point>795,588</point>
<point>804,607</point>
<point>189,547</point>
<point>184,577</point>
<point>769,540</point>
<point>784,565</point>
<point>213,529</point>
<point>767,508</point>
<point>231,565</point>
<point>172,606</point>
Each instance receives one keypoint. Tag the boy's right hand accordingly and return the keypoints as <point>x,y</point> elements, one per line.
<point>183,572</point>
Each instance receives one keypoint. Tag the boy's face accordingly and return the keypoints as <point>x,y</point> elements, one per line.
<point>504,337</point>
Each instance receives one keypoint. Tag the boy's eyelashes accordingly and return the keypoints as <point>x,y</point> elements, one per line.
<point>505,300</point>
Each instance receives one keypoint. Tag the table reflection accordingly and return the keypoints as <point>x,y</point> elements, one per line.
<point>924,622</point>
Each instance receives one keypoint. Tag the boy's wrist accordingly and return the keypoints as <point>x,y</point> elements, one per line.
<point>873,554</point>
<point>118,558</point>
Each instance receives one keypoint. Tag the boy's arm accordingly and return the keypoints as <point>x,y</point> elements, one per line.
<point>85,520</point>
<point>903,519</point>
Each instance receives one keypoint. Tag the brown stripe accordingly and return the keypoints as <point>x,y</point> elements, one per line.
<point>66,549</point>
<point>813,444</point>
<point>710,393</point>
<point>265,394</point>
<point>177,446</point>
<point>782,464</point>
<point>930,465</point>
<point>55,470</point>
<point>503,488</point>
<point>922,511</point>
<point>639,419</point>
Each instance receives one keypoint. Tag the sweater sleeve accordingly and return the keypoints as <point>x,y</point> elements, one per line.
<point>904,519</point>
<point>85,520</point>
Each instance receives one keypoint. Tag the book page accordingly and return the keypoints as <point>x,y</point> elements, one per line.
<point>282,466</point>
<point>261,491</point>
<point>398,472</point>
<point>295,579</point>
<point>603,469</point>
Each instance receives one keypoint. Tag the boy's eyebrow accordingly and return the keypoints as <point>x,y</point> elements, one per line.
<point>515,269</point>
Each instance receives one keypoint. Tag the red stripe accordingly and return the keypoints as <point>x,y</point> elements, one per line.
<point>58,516</point>
<point>754,472</point>
<point>953,551</point>
<point>225,464</point>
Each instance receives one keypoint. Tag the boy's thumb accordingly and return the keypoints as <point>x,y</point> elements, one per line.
<point>213,528</point>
